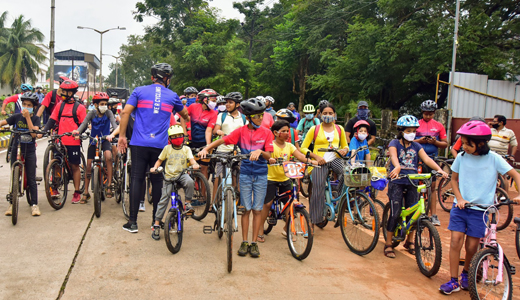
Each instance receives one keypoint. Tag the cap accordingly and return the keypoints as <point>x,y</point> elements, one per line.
<point>362,103</point>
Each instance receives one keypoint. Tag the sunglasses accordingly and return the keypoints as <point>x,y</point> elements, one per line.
<point>257,116</point>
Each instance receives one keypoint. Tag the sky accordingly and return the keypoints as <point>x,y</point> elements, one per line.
<point>98,14</point>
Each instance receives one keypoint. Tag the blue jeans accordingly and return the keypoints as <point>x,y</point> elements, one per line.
<point>252,191</point>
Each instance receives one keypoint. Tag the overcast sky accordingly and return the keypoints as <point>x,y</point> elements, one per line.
<point>98,14</point>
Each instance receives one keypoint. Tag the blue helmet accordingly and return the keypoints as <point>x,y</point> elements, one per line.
<point>26,87</point>
<point>407,121</point>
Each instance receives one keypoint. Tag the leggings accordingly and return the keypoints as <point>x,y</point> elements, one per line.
<point>319,181</point>
<point>30,171</point>
<point>395,197</point>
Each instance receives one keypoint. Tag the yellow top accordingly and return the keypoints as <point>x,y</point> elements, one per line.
<point>176,160</point>
<point>276,173</point>
<point>321,140</point>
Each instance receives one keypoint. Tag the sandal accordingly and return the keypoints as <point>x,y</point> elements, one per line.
<point>410,247</point>
<point>85,198</point>
<point>109,193</point>
<point>260,239</point>
<point>389,253</point>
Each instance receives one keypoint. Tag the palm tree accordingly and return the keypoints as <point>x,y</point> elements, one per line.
<point>19,54</point>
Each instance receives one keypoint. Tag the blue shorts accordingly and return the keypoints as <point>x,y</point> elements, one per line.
<point>252,191</point>
<point>468,221</point>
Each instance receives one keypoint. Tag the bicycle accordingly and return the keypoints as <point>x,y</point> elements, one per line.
<point>58,173</point>
<point>298,227</point>
<point>225,206</point>
<point>517,235</point>
<point>382,159</point>
<point>490,272</point>
<point>125,167</point>
<point>426,244</point>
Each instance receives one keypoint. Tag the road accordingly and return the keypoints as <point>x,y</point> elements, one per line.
<point>38,255</point>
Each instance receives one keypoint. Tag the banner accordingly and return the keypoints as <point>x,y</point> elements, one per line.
<point>78,74</point>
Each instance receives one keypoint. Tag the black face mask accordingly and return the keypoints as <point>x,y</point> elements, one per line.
<point>114,110</point>
<point>495,126</point>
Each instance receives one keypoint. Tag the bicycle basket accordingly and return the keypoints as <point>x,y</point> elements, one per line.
<point>357,174</point>
<point>293,169</point>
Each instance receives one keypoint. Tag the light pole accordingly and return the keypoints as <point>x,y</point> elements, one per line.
<point>452,74</point>
<point>101,32</point>
<point>51,48</point>
<point>117,58</point>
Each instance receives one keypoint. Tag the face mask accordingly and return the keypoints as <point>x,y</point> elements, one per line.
<point>495,126</point>
<point>254,125</point>
<point>409,136</point>
<point>327,119</point>
<point>309,116</point>
<point>177,142</point>
<point>102,109</point>
<point>211,105</point>
<point>362,136</point>
<point>284,136</point>
<point>363,114</point>
<point>30,110</point>
<point>114,110</point>
<point>222,108</point>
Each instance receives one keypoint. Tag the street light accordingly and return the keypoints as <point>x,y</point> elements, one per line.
<point>101,32</point>
<point>117,58</point>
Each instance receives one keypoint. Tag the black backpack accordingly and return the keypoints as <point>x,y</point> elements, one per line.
<point>74,112</point>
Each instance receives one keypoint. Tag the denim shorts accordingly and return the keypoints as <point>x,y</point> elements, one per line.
<point>252,191</point>
<point>467,221</point>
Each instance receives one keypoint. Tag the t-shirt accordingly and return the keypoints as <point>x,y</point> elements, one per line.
<point>355,144</point>
<point>305,125</point>
<point>434,129</point>
<point>298,118</point>
<point>20,123</point>
<point>458,144</point>
<point>276,173</point>
<point>352,122</point>
<point>267,121</point>
<point>100,125</point>
<point>17,99</point>
<point>154,104</point>
<point>200,120</point>
<point>230,124</point>
<point>501,140</point>
<point>478,176</point>
<point>249,140</point>
<point>271,111</point>
<point>408,159</point>
<point>176,160</point>
<point>66,123</point>
<point>47,101</point>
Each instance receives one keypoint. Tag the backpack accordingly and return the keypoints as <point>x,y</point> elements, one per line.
<point>224,115</point>
<point>74,112</point>
<point>305,122</point>
<point>317,129</point>
<point>292,136</point>
<point>53,101</point>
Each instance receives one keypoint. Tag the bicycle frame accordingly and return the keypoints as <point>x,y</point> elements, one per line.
<point>225,185</point>
<point>176,203</point>
<point>291,203</point>
<point>490,240</point>
<point>20,161</point>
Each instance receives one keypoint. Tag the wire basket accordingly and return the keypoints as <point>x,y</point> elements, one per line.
<point>357,173</point>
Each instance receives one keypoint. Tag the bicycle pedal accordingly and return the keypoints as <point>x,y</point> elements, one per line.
<point>39,179</point>
<point>207,229</point>
<point>271,221</point>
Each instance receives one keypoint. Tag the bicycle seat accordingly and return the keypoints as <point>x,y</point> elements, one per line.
<point>450,161</point>
<point>419,176</point>
<point>517,220</point>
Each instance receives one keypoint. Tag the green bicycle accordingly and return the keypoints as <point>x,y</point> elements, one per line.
<point>428,247</point>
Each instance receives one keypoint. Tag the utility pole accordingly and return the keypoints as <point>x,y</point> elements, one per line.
<point>251,35</point>
<point>452,74</point>
<point>117,58</point>
<point>51,48</point>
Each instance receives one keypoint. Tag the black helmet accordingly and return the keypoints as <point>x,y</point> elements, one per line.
<point>190,90</point>
<point>234,96</point>
<point>252,106</point>
<point>162,70</point>
<point>429,105</point>
<point>28,96</point>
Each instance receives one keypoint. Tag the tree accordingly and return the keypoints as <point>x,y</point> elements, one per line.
<point>137,58</point>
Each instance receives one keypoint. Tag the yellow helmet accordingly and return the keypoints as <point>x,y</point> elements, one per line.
<point>175,129</point>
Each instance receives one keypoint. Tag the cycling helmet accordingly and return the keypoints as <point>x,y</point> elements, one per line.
<point>26,87</point>
<point>39,86</point>
<point>361,123</point>
<point>291,103</point>
<point>62,79</point>
<point>182,97</point>
<point>206,93</point>
<point>162,70</point>
<point>477,118</point>
<point>69,85</point>
<point>429,105</point>
<point>234,96</point>
<point>261,98</point>
<point>270,99</point>
<point>221,100</point>
<point>323,102</point>
<point>175,129</point>
<point>309,108</point>
<point>407,121</point>
<point>476,130</point>
<point>190,90</point>
<point>28,96</point>
<point>286,115</point>
<point>112,101</point>
<point>100,96</point>
<point>252,106</point>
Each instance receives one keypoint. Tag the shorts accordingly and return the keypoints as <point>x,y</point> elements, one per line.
<point>74,154</point>
<point>426,169</point>
<point>281,187</point>
<point>252,191</point>
<point>468,221</point>
<point>91,151</point>
<point>195,145</point>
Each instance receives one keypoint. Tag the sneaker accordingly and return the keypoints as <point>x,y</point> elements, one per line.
<point>9,211</point>
<point>54,193</point>
<point>189,208</point>
<point>141,207</point>
<point>464,281</point>
<point>244,249</point>
<point>253,250</point>
<point>76,198</point>
<point>155,232</point>
<point>450,287</point>
<point>435,220</point>
<point>35,210</point>
<point>130,227</point>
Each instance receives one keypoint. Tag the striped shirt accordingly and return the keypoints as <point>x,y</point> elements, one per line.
<point>501,140</point>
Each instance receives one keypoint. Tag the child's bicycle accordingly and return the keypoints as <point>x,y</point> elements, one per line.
<point>428,247</point>
<point>382,159</point>
<point>489,274</point>
<point>225,206</point>
<point>298,227</point>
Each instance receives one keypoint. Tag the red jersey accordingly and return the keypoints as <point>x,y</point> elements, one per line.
<point>66,123</point>
<point>268,121</point>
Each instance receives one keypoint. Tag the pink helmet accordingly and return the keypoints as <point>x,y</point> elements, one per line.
<point>475,129</point>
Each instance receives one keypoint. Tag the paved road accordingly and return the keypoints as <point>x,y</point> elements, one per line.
<point>111,263</point>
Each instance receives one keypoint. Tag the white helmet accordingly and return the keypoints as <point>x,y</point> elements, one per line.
<point>270,99</point>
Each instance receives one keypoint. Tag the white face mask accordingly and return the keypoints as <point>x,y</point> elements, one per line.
<point>211,105</point>
<point>222,108</point>
<point>362,136</point>
<point>409,136</point>
<point>102,109</point>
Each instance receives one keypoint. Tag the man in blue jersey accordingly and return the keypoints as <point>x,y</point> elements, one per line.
<point>153,105</point>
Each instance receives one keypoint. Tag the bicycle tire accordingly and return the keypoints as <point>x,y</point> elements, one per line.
<point>96,190</point>
<point>172,234</point>
<point>517,240</point>
<point>445,194</point>
<point>230,199</point>
<point>118,180</point>
<point>57,174</point>
<point>475,285</point>
<point>384,222</point>
<point>47,156</point>
<point>8,152</point>
<point>200,202</point>
<point>506,211</point>
<point>14,194</point>
<point>149,191</point>
<point>300,214</point>
<point>380,162</point>
<point>304,185</point>
<point>380,207</point>
<point>83,170</point>
<point>501,182</point>
<point>446,168</point>
<point>419,249</point>
<point>366,225</point>
<point>272,214</point>
<point>125,190</point>
<point>28,196</point>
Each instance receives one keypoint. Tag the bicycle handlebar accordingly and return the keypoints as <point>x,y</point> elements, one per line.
<point>428,181</point>
<point>507,202</point>
<point>346,157</point>
<point>160,170</point>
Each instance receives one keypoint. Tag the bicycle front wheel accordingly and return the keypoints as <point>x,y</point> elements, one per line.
<point>83,171</point>
<point>96,190</point>
<point>201,196</point>
<point>299,234</point>
<point>483,276</point>
<point>48,156</point>
<point>14,194</point>
<point>517,240</point>
<point>125,191</point>
<point>172,234</point>
<point>230,200</point>
<point>428,248</point>
<point>380,208</point>
<point>56,183</point>
<point>384,222</point>
<point>304,185</point>
<point>445,194</point>
<point>505,212</point>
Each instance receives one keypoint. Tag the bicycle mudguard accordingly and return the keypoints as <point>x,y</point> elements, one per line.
<point>420,176</point>
<point>332,212</point>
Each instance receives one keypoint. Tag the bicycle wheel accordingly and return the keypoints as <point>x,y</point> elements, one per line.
<point>125,191</point>
<point>428,248</point>
<point>384,222</point>
<point>96,190</point>
<point>118,179</point>
<point>48,156</point>
<point>446,168</point>
<point>483,273</point>
<point>380,207</point>
<point>149,191</point>
<point>304,185</point>
<point>270,221</point>
<point>501,182</point>
<point>201,196</point>
<point>517,240</point>
<point>445,194</point>
<point>83,170</point>
<point>56,183</point>
<point>28,196</point>
<point>8,152</point>
<point>300,238</point>
<point>172,234</point>
<point>505,211</point>
<point>380,162</point>
<point>361,230</point>
<point>14,193</point>
<point>230,199</point>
